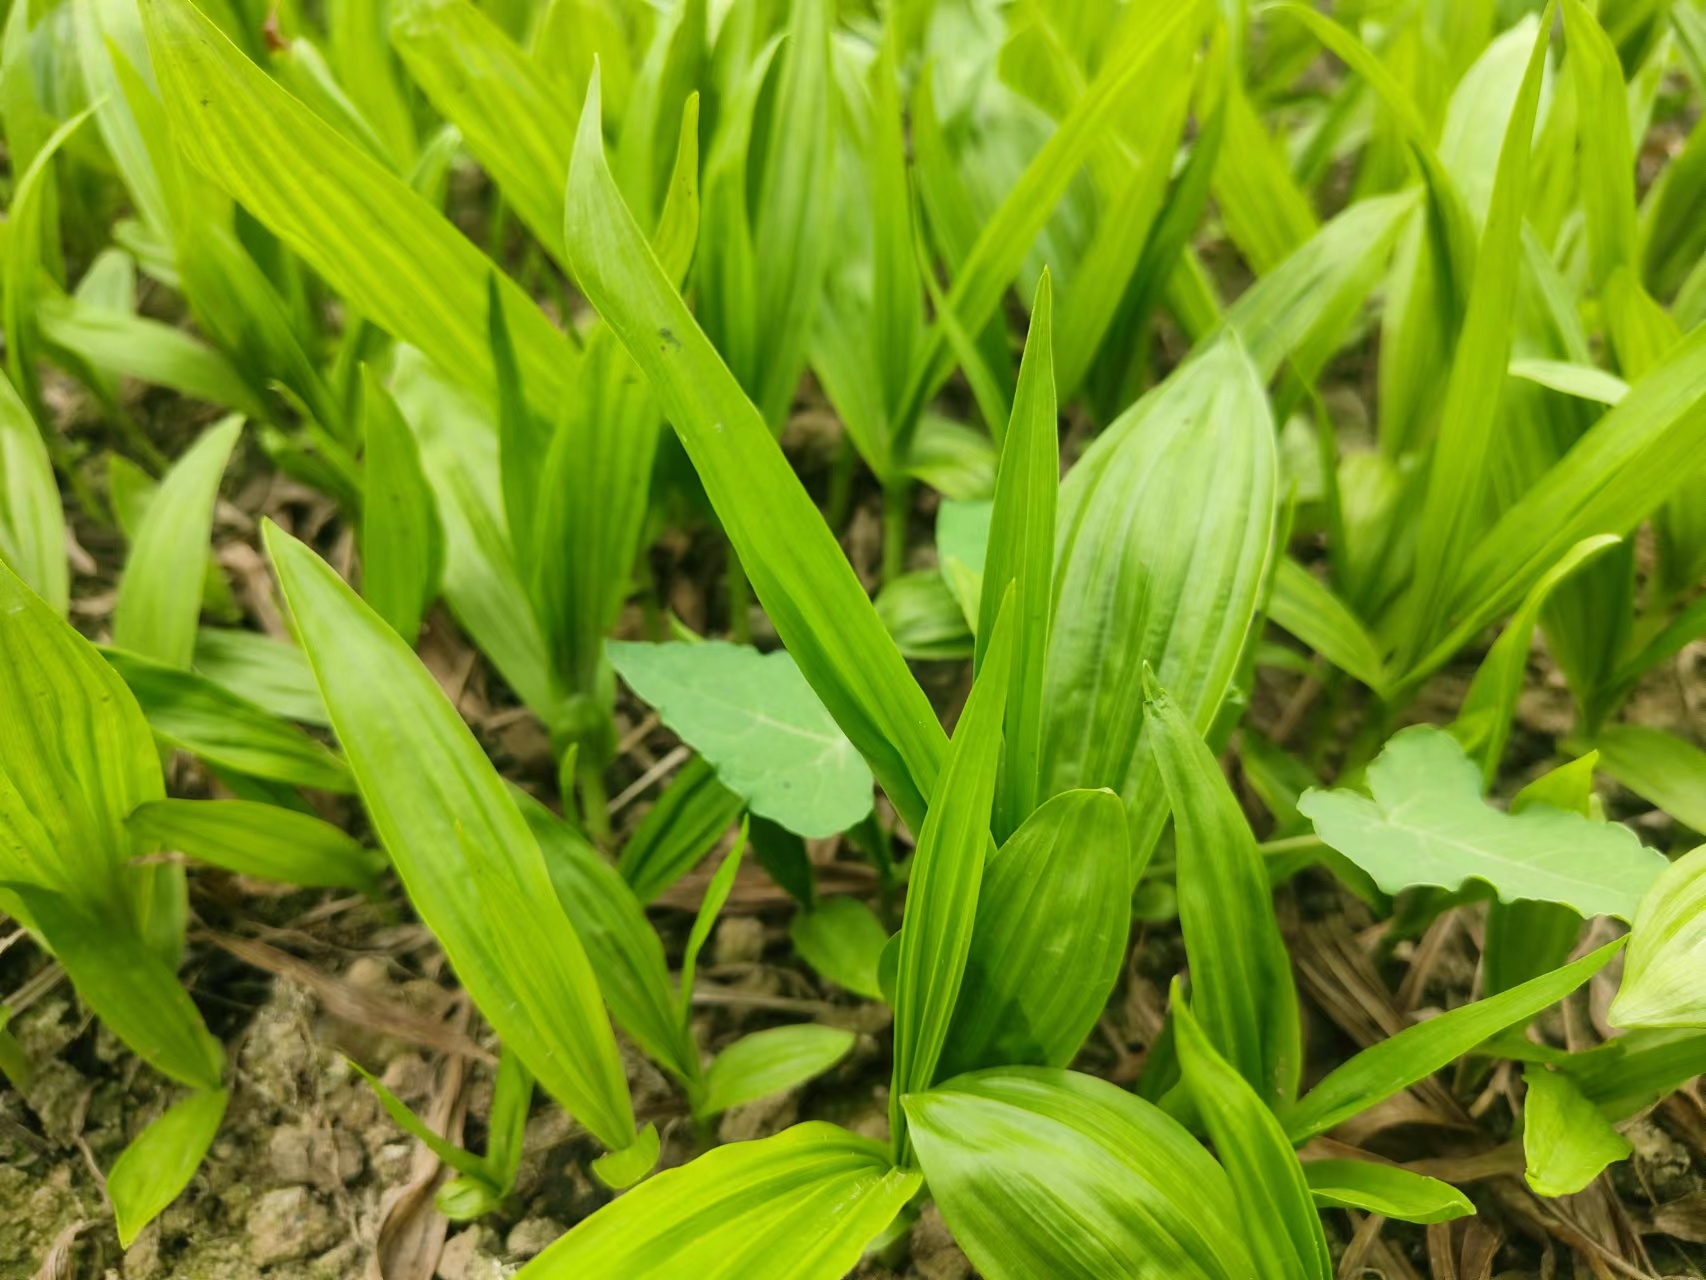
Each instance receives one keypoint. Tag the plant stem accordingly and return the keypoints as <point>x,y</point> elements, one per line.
<point>740,598</point>
<point>595,801</point>
<point>897,512</point>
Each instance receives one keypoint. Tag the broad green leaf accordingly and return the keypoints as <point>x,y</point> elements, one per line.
<point>209,721</point>
<point>1662,984</point>
<point>756,720</point>
<point>1044,1172</point>
<point>1052,920</point>
<point>1484,720</point>
<point>1307,607</point>
<point>1166,527</point>
<point>514,121</point>
<point>32,522</point>
<point>75,753</point>
<point>680,828</point>
<point>362,63</point>
<point>799,1206</point>
<point>1565,1140</point>
<point>1417,1052</point>
<point>767,1062</point>
<point>1274,1204</point>
<point>842,939</point>
<point>273,674</point>
<point>1267,215</point>
<point>793,561</point>
<point>1021,552</point>
<point>1659,767</point>
<point>257,840</point>
<point>119,973</point>
<point>624,948</point>
<point>1384,1189</point>
<point>1240,972</point>
<point>943,888</point>
<point>402,552</point>
<point>159,596</point>
<point>159,1162</point>
<point>1427,825</point>
<point>460,845</point>
<point>398,261</point>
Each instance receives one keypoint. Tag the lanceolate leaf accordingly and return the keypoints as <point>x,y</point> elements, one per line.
<point>1659,767</point>
<point>1166,528</point>
<point>767,1062</point>
<point>1384,1189</point>
<point>1428,825</point>
<point>1044,1172</point>
<point>158,1164</point>
<point>401,542</point>
<point>1280,1222</point>
<point>757,721</point>
<point>1240,972</point>
<point>462,848</point>
<point>257,840</point>
<point>943,889</point>
<point>792,559</point>
<point>1021,551</point>
<point>399,262</point>
<point>32,523</point>
<point>1395,1063</point>
<point>1052,919</point>
<point>159,597</point>
<point>678,830</point>
<point>799,1206</point>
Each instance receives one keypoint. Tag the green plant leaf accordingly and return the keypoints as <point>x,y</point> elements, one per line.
<point>1384,1189</point>
<point>1417,1052</point>
<point>1565,1140</point>
<point>1052,920</point>
<point>1274,1204</point>
<point>843,940</point>
<point>942,891</point>
<point>32,522</point>
<point>1044,1172</point>
<point>514,121</point>
<point>1427,825</point>
<point>258,840</point>
<point>398,261</point>
<point>402,545</point>
<point>274,674</point>
<point>1657,766</point>
<point>1240,971</point>
<point>1166,527</point>
<point>756,720</point>
<point>1662,976</point>
<point>682,826</point>
<point>923,615</point>
<point>209,721</point>
<point>799,1206</point>
<point>159,1162</point>
<point>1021,552</point>
<point>793,561</point>
<point>460,845</point>
<point>710,907</point>
<point>159,596</point>
<point>1582,381</point>
<point>767,1062</point>
<point>624,948</point>
<point>458,1158</point>
<point>1307,607</point>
